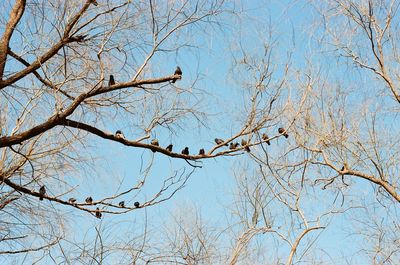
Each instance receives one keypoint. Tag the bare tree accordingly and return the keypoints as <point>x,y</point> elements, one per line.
<point>76,75</point>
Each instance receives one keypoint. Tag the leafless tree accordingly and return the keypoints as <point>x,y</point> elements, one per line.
<point>78,76</point>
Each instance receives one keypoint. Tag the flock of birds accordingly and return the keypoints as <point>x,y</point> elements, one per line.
<point>218,141</point>
<point>185,151</point>
<point>88,200</point>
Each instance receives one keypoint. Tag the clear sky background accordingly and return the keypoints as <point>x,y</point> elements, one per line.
<point>210,189</point>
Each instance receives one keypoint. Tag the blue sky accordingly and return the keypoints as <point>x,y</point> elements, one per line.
<point>210,189</point>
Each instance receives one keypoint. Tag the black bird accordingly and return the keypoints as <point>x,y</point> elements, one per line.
<point>344,167</point>
<point>111,81</point>
<point>202,152</point>
<point>244,142</point>
<point>232,146</point>
<point>219,141</point>
<point>98,213</point>
<point>137,204</point>
<point>72,200</point>
<point>283,132</point>
<point>169,148</point>
<point>42,191</point>
<point>121,204</point>
<point>94,2</point>
<point>89,200</point>
<point>247,148</point>
<point>178,71</point>
<point>119,134</point>
<point>236,145</point>
<point>265,137</point>
<point>185,151</point>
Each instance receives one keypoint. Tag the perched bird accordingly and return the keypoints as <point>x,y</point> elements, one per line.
<point>94,2</point>
<point>236,145</point>
<point>169,148</point>
<point>178,71</point>
<point>119,134</point>
<point>121,204</point>
<point>219,141</point>
<point>344,167</point>
<point>89,200</point>
<point>111,81</point>
<point>283,131</point>
<point>42,191</point>
<point>265,137</point>
<point>155,142</point>
<point>98,213</point>
<point>244,142</point>
<point>232,146</point>
<point>72,200</point>
<point>247,148</point>
<point>202,152</point>
<point>185,151</point>
<point>137,204</point>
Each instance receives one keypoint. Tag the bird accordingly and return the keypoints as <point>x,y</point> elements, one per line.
<point>72,200</point>
<point>244,142</point>
<point>202,152</point>
<point>169,148</point>
<point>111,81</point>
<point>247,148</point>
<point>283,131</point>
<point>185,151</point>
<point>121,204</point>
<point>232,146</point>
<point>89,200</point>
<point>94,2</point>
<point>137,204</point>
<point>155,142</point>
<point>119,134</point>
<point>265,137</point>
<point>236,145</point>
<point>178,71</point>
<point>344,167</point>
<point>42,191</point>
<point>98,213</point>
<point>219,141</point>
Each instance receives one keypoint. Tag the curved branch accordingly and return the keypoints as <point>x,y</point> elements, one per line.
<point>297,242</point>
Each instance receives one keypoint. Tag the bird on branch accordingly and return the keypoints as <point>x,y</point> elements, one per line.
<point>219,141</point>
<point>202,152</point>
<point>98,213</point>
<point>119,134</point>
<point>265,137</point>
<point>42,192</point>
<point>169,148</point>
<point>283,132</point>
<point>178,71</point>
<point>89,200</point>
<point>111,81</point>
<point>185,151</point>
